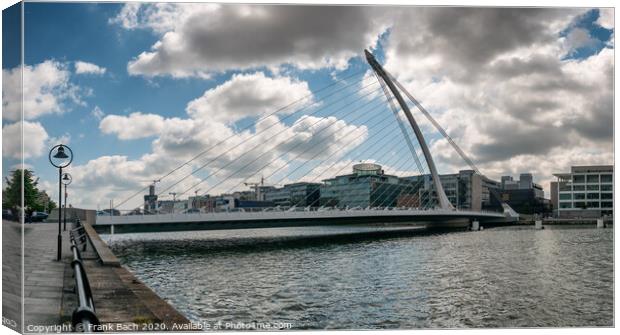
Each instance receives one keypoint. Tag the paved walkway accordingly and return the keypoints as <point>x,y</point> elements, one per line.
<point>44,276</point>
<point>122,301</point>
<point>11,275</point>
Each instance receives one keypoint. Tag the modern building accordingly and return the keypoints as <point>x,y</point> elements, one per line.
<point>367,186</point>
<point>585,191</point>
<point>524,195</point>
<point>150,201</point>
<point>230,202</point>
<point>165,206</point>
<point>298,194</point>
<point>465,190</point>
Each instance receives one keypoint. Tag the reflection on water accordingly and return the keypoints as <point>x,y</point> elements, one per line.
<point>503,277</point>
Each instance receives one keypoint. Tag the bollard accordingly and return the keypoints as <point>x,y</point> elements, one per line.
<point>600,223</point>
<point>475,225</point>
<point>538,224</point>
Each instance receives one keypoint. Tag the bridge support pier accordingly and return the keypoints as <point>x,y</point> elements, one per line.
<point>475,225</point>
<point>538,224</point>
<point>112,230</point>
<point>600,223</point>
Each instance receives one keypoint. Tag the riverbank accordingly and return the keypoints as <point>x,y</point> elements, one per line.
<point>123,302</point>
<point>45,290</point>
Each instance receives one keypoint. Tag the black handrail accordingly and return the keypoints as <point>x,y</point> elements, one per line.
<point>83,318</point>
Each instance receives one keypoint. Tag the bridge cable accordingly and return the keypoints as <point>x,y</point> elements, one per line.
<point>400,123</point>
<point>444,134</point>
<point>251,137</point>
<point>436,124</point>
<point>266,152</point>
<point>379,148</point>
<point>253,148</point>
<point>303,152</point>
<point>337,151</point>
<point>242,129</point>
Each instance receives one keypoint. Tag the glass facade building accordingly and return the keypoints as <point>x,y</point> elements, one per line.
<point>367,186</point>
<point>465,190</point>
<point>297,194</point>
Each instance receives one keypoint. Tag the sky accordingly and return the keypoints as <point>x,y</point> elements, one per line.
<point>137,90</point>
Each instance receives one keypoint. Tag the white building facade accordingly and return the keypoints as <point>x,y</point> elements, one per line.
<point>587,191</point>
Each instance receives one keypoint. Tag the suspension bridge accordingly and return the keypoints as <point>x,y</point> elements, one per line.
<point>366,115</point>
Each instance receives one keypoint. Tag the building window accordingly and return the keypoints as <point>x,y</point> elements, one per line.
<point>579,188</point>
<point>606,195</point>
<point>565,187</point>
<point>565,196</point>
<point>580,204</point>
<point>565,205</point>
<point>607,204</point>
<point>593,187</point>
<point>606,178</point>
<point>579,178</point>
<point>580,196</point>
<point>593,196</point>
<point>593,204</point>
<point>606,188</point>
<point>593,178</point>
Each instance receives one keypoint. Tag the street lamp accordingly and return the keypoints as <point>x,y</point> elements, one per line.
<point>66,180</point>
<point>59,159</point>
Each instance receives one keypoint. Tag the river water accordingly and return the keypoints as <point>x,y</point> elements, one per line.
<point>501,277</point>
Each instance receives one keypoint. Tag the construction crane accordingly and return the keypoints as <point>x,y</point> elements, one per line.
<point>256,186</point>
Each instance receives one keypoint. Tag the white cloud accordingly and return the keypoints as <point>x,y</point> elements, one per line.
<point>606,18</point>
<point>578,38</point>
<point>248,36</point>
<point>34,135</point>
<point>504,93</point>
<point>88,68</point>
<point>311,137</point>
<point>63,139</point>
<point>509,100</point>
<point>136,125</point>
<point>247,95</point>
<point>97,113</point>
<point>232,155</point>
<point>46,87</point>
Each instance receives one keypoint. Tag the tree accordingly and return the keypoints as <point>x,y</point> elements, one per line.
<point>34,200</point>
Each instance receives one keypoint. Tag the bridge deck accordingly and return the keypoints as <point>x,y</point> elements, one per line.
<point>293,215</point>
<point>273,219</point>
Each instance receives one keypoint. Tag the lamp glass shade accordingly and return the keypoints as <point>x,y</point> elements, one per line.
<point>61,153</point>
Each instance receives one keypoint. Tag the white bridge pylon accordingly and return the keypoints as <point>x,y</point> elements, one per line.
<point>444,203</point>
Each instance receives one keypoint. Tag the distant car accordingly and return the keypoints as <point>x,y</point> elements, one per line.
<point>7,214</point>
<point>38,216</point>
<point>192,211</point>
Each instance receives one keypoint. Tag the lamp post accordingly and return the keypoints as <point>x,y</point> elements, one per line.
<point>59,159</point>
<point>66,180</point>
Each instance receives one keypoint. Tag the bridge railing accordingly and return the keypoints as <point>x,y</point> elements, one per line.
<point>84,316</point>
<point>280,213</point>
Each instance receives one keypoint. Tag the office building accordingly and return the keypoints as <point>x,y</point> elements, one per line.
<point>465,190</point>
<point>367,186</point>
<point>585,191</point>
<point>524,195</point>
<point>298,194</point>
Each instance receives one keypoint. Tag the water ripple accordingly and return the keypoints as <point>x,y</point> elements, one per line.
<point>558,277</point>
